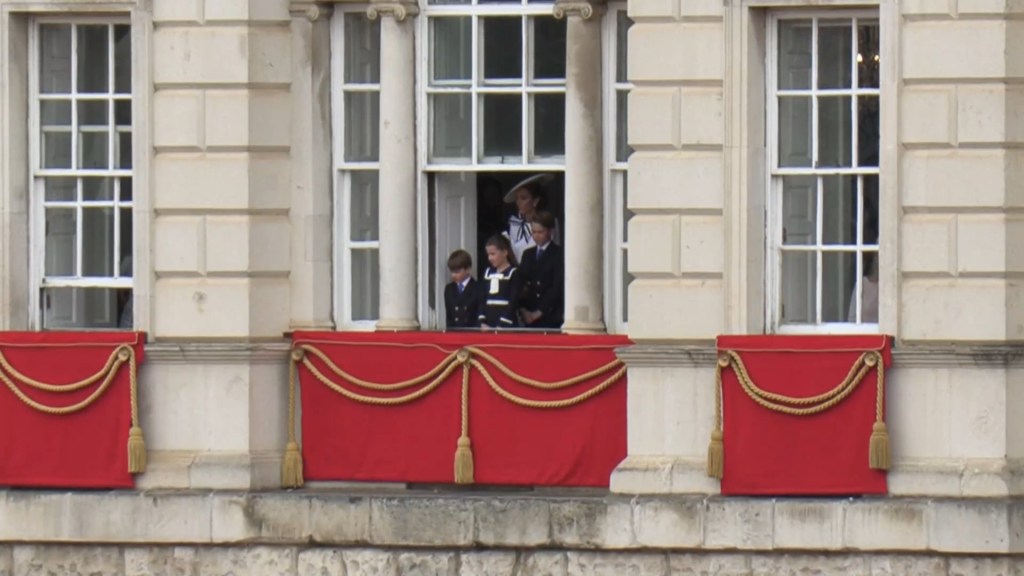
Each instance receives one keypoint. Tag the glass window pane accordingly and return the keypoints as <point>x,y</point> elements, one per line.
<point>98,242</point>
<point>799,275</point>
<point>56,152</point>
<point>362,118</point>
<point>549,124</point>
<point>123,59</point>
<point>123,152</point>
<point>548,48</point>
<point>794,54</point>
<point>363,218</point>
<point>97,189</point>
<point>61,189</point>
<point>835,131</point>
<point>869,227</point>
<point>835,54</point>
<point>867,55</point>
<point>627,278</point>
<point>55,58</point>
<point>123,113</point>
<point>92,113</point>
<point>451,58</point>
<point>868,291</point>
<point>838,280</point>
<point>839,209</point>
<point>93,148</point>
<point>502,126</point>
<point>868,133</point>
<point>93,58</point>
<point>365,284</point>
<point>66,308</point>
<point>61,239</point>
<point>799,210</point>
<point>627,214</point>
<point>622,147</point>
<point>433,2</point>
<point>125,266</point>
<point>794,131</point>
<point>452,126</point>
<point>125,184</point>
<point>621,45</point>
<point>55,113</point>
<point>362,49</point>
<point>503,47</point>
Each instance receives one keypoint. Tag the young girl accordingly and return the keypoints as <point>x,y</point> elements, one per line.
<point>499,296</point>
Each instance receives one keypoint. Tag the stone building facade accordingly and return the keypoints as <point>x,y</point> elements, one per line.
<point>275,165</point>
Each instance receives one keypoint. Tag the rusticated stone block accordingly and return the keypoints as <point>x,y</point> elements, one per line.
<point>668,523</point>
<point>6,562</point>
<point>544,564</point>
<point>611,564</point>
<point>320,562</point>
<point>970,527</point>
<point>907,566</point>
<point>806,565</point>
<point>982,566</point>
<point>414,521</point>
<point>339,520</point>
<point>884,525</point>
<point>595,523</point>
<point>487,564</point>
<point>427,564</point>
<point>803,525</point>
<point>513,522</point>
<point>267,560</point>
<point>369,563</point>
<point>159,561</point>
<point>735,523</point>
<point>709,565</point>
<point>67,561</point>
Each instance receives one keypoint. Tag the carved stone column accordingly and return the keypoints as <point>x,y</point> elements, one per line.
<point>584,245</point>
<point>397,197</point>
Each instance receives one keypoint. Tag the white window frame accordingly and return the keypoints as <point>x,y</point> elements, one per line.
<point>616,180</point>
<point>774,174</point>
<point>37,174</point>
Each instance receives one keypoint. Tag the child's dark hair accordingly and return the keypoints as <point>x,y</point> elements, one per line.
<point>545,219</point>
<point>501,243</point>
<point>460,260</point>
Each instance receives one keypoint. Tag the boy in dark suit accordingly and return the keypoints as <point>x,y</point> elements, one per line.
<point>461,295</point>
<point>543,270</point>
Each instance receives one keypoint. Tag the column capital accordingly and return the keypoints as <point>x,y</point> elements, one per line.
<point>397,9</point>
<point>312,10</point>
<point>584,9</point>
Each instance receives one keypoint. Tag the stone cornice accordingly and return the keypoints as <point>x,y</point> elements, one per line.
<point>584,9</point>
<point>217,353</point>
<point>399,10</point>
<point>312,10</point>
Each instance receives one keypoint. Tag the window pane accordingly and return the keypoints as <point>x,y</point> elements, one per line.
<point>92,113</point>
<point>794,54</point>
<point>452,126</point>
<point>627,214</point>
<point>55,113</point>
<point>627,278</point>
<point>362,117</point>
<point>61,189</point>
<point>123,153</point>
<point>503,47</point>
<point>122,59</point>
<point>98,242</point>
<point>125,265</point>
<point>61,239</point>
<point>837,283</point>
<point>869,227</point>
<point>56,150</point>
<point>97,189</point>
<point>839,209</point>
<point>868,134</point>
<point>363,218</point>
<point>126,189</point>
<point>93,58</point>
<point>799,210</point>
<point>622,147</point>
<point>503,118</point>
<point>55,59</point>
<point>451,58</point>
<point>548,48</point>
<point>432,2</point>
<point>799,273</point>
<point>365,284</point>
<point>868,291</point>
<point>123,113</point>
<point>362,49</point>
<point>795,131</point>
<point>549,124</point>
<point>621,45</point>
<point>92,149</point>
<point>65,308</point>
<point>867,55</point>
<point>835,131</point>
<point>835,53</point>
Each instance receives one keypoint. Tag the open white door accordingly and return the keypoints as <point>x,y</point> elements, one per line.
<point>456,227</point>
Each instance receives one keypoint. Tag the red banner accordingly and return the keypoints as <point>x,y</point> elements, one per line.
<point>772,453</point>
<point>415,440</point>
<point>82,449</point>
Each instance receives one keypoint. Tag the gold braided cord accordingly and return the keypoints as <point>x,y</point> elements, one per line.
<point>375,385</point>
<point>465,399</point>
<point>448,368</point>
<point>60,388</point>
<point>119,356</point>
<point>537,383</point>
<point>547,404</point>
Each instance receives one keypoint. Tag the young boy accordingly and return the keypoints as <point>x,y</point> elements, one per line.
<point>461,295</point>
<point>543,271</point>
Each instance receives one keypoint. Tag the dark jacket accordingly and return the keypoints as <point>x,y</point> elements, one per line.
<point>500,308</point>
<point>544,285</point>
<point>460,310</point>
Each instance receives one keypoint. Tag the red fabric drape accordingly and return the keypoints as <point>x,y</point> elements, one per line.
<point>415,442</point>
<point>85,449</point>
<point>768,452</point>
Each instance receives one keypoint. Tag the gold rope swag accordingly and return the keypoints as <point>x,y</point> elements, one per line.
<point>123,354</point>
<point>878,451</point>
<point>466,358</point>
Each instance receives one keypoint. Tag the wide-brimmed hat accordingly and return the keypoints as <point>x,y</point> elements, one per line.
<point>538,179</point>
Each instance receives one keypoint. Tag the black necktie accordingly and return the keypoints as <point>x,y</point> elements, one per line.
<point>540,252</point>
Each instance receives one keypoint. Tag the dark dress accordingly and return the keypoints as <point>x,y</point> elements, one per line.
<point>544,285</point>
<point>499,298</point>
<point>460,310</point>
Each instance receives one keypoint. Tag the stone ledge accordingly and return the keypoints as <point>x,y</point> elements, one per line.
<point>503,520</point>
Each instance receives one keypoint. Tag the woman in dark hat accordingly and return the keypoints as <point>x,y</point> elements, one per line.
<point>526,195</point>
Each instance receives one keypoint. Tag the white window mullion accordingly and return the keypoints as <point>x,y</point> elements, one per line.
<point>476,126</point>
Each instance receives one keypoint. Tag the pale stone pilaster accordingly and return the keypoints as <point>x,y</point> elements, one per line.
<point>397,197</point>
<point>584,247</point>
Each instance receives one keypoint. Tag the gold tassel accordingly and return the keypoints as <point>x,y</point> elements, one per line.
<point>716,455</point>
<point>464,461</point>
<point>136,451</point>
<point>291,468</point>
<point>878,454</point>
